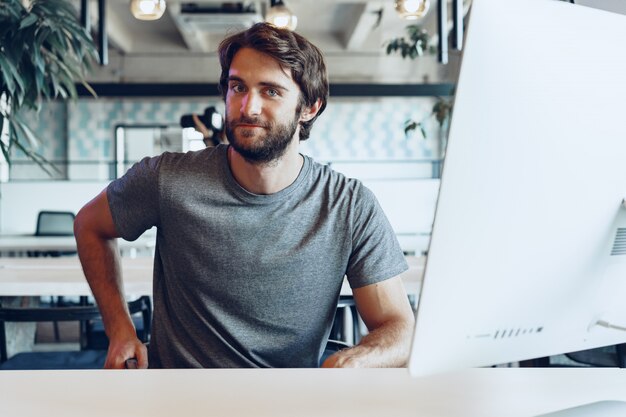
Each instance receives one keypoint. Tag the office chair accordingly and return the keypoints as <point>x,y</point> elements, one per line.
<point>54,223</point>
<point>338,331</point>
<point>94,337</point>
<point>608,356</point>
<point>80,359</point>
<point>603,357</point>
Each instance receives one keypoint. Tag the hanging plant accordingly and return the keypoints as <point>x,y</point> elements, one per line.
<point>442,110</point>
<point>416,45</point>
<point>44,52</point>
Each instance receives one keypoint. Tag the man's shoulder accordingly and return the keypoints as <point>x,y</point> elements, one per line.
<point>324,175</point>
<point>191,160</point>
<point>192,156</point>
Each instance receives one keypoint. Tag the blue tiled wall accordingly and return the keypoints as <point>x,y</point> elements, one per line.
<point>50,127</point>
<point>371,129</point>
<point>349,129</point>
<point>92,122</point>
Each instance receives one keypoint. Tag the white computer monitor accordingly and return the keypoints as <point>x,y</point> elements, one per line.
<point>528,251</point>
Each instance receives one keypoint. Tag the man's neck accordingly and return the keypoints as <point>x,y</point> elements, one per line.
<point>267,178</point>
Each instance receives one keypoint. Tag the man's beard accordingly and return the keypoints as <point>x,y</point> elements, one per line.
<point>269,146</point>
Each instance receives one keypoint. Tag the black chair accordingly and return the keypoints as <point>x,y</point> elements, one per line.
<point>54,223</point>
<point>603,357</point>
<point>608,356</point>
<point>95,338</point>
<point>338,331</point>
<point>79,359</point>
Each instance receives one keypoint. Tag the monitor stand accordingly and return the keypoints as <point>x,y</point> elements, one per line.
<point>597,409</point>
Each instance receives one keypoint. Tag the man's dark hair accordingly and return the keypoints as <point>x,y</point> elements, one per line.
<point>293,52</point>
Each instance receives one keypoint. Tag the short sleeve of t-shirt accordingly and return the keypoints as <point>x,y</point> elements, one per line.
<point>134,199</point>
<point>376,252</point>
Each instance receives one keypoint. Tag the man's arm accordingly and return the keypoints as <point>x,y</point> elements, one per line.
<point>97,249</point>
<point>385,309</point>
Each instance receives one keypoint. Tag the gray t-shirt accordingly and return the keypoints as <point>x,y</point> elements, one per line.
<point>246,280</point>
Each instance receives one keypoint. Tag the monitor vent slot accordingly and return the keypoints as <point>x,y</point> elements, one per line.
<point>619,245</point>
<point>516,331</point>
<point>507,333</point>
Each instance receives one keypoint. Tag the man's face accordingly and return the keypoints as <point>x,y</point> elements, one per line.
<point>262,107</point>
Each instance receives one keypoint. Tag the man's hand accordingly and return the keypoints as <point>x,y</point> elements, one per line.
<point>201,127</point>
<point>342,359</point>
<point>386,311</point>
<point>122,349</point>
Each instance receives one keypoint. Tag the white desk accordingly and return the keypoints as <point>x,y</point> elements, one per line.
<point>64,276</point>
<point>497,392</point>
<point>25,243</point>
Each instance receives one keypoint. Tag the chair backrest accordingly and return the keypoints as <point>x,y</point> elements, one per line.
<point>76,313</point>
<point>55,223</point>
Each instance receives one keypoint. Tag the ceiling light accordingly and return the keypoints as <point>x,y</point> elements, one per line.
<point>280,16</point>
<point>147,9</point>
<point>412,9</point>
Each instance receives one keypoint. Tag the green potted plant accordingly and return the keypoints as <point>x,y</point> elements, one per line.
<point>415,45</point>
<point>44,52</point>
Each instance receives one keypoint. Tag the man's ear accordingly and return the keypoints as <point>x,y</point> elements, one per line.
<point>308,113</point>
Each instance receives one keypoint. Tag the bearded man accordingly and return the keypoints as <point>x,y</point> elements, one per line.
<point>254,239</point>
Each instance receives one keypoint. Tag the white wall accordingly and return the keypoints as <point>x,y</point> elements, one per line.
<point>408,203</point>
<point>20,202</point>
<point>406,194</point>
<point>410,207</point>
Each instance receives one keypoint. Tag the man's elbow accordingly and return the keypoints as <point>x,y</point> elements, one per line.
<point>84,223</point>
<point>95,220</point>
<point>78,223</point>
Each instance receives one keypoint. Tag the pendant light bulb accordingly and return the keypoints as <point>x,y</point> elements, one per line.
<point>412,9</point>
<point>280,16</point>
<point>147,9</point>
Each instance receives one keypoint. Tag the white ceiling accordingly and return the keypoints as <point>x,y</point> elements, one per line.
<point>173,49</point>
<point>347,31</point>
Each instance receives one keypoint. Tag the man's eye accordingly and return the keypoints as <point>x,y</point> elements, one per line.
<point>272,92</point>
<point>237,88</point>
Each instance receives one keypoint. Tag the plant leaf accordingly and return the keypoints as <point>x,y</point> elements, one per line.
<point>409,126</point>
<point>28,21</point>
<point>421,126</point>
<point>37,158</point>
<point>44,53</point>
<point>18,123</point>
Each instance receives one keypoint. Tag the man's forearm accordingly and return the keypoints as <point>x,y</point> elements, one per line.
<point>96,236</point>
<point>101,265</point>
<point>387,346</point>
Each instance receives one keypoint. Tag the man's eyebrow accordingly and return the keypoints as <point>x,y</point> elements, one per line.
<point>274,85</point>
<point>234,78</point>
<point>262,83</point>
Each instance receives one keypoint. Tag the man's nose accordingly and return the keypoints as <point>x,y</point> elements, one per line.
<point>251,105</point>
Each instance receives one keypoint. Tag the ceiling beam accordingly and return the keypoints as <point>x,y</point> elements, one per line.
<point>210,89</point>
<point>364,17</point>
<point>116,29</point>
<point>196,41</point>
<point>103,40</point>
